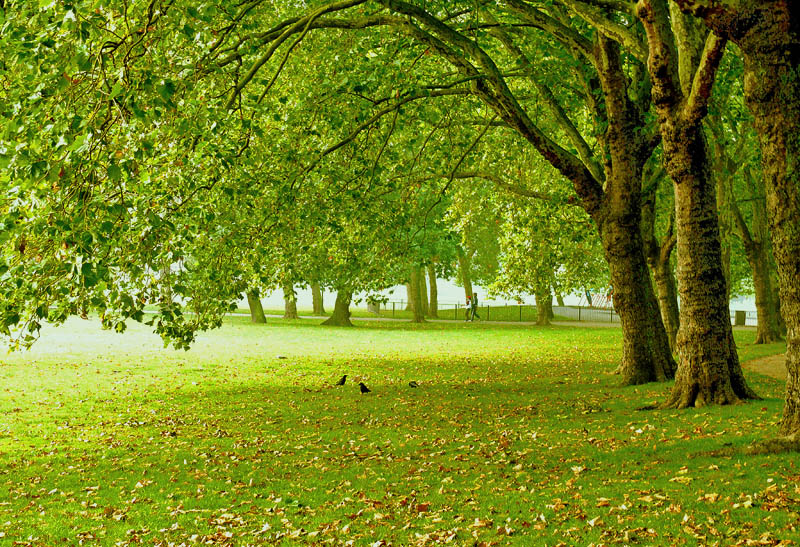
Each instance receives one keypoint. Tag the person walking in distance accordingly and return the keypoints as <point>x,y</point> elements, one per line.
<point>468,309</point>
<point>474,307</point>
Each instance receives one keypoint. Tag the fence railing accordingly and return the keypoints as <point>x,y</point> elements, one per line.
<point>503,312</point>
<point>528,313</point>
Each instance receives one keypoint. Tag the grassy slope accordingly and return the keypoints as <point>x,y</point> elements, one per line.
<point>515,436</point>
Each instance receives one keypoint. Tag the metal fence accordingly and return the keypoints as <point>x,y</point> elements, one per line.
<point>527,313</point>
<point>504,312</point>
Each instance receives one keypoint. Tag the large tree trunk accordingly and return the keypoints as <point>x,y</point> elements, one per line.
<point>256,309</point>
<point>768,329</point>
<point>544,306</point>
<point>433,308</point>
<point>768,35</point>
<point>289,303</point>
<point>423,292</point>
<point>316,297</point>
<point>709,371</point>
<point>646,356</point>
<point>464,272</point>
<point>414,296</point>
<point>341,310</point>
<point>772,92</point>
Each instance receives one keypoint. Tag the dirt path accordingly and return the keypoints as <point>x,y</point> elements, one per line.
<point>773,365</point>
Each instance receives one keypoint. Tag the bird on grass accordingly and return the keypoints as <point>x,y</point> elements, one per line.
<point>342,380</point>
<point>364,388</point>
<point>412,383</point>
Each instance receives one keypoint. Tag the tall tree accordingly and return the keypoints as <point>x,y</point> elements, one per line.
<point>768,35</point>
<point>682,71</point>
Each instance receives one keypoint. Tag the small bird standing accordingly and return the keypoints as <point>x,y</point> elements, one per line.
<point>342,380</point>
<point>364,388</point>
<point>412,383</point>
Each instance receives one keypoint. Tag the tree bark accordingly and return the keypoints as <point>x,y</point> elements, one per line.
<point>646,356</point>
<point>757,252</point>
<point>341,310</point>
<point>646,351</point>
<point>772,92</point>
<point>414,296</point>
<point>423,292</point>
<point>544,306</point>
<point>289,303</point>
<point>658,256</point>
<point>433,308</point>
<point>256,309</point>
<point>768,35</point>
<point>316,297</point>
<point>709,371</point>
<point>560,299</point>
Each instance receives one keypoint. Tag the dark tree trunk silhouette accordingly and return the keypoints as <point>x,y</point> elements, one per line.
<point>341,310</point>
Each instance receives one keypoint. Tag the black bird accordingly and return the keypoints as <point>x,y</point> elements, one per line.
<point>364,389</point>
<point>412,383</point>
<point>342,380</point>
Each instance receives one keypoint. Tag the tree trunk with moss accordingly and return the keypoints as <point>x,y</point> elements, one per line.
<point>256,309</point>
<point>316,298</point>
<point>433,307</point>
<point>709,371</point>
<point>768,36</point>
<point>341,310</point>
<point>289,303</point>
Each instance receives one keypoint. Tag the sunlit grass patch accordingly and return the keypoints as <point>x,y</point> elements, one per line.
<point>514,436</point>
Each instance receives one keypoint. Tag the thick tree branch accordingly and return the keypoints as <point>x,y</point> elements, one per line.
<point>662,60</point>
<point>493,90</point>
<point>584,151</point>
<point>567,36</point>
<point>511,187</point>
<point>615,31</point>
<point>697,103</point>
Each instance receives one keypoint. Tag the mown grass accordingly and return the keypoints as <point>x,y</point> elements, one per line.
<point>522,313</point>
<point>516,436</point>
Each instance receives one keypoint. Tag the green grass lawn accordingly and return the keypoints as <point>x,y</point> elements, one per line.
<point>516,436</point>
<point>524,313</point>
